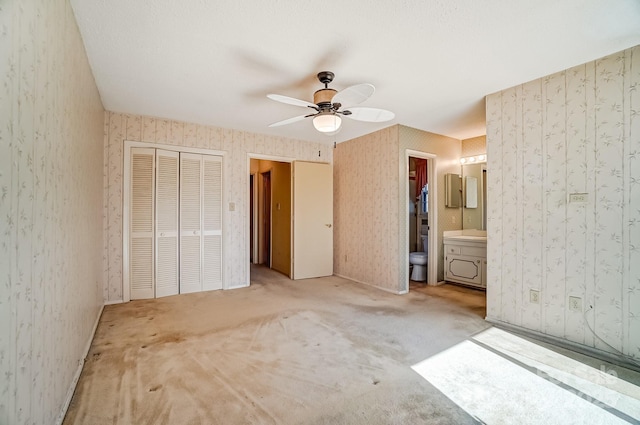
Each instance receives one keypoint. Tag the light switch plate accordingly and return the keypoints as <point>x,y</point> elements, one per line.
<point>577,198</point>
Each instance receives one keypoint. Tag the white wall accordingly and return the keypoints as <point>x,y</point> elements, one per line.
<point>51,123</point>
<point>234,143</point>
<point>577,131</point>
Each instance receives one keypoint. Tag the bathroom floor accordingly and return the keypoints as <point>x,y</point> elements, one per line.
<point>473,300</point>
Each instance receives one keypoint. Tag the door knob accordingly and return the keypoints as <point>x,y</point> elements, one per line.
<point>328,225</point>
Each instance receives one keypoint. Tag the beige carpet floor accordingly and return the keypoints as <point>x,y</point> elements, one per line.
<point>317,351</point>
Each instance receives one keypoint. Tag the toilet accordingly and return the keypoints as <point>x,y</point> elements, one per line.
<point>419,262</point>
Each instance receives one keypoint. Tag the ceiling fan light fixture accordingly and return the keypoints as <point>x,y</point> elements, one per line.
<point>327,122</point>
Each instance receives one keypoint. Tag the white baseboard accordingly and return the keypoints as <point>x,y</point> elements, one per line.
<point>569,345</point>
<point>113,302</point>
<point>236,287</point>
<point>391,291</point>
<point>76,376</point>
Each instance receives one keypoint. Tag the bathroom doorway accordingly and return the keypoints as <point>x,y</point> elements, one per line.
<point>420,215</point>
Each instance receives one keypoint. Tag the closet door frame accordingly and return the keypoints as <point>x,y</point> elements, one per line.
<point>126,204</point>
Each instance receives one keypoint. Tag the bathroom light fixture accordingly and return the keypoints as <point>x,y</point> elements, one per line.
<point>476,158</point>
<point>327,122</point>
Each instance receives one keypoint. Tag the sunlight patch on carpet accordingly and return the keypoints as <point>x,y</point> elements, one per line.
<point>533,385</point>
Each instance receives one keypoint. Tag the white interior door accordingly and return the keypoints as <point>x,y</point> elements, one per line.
<point>190,222</point>
<point>211,222</point>
<point>312,220</point>
<point>166,222</point>
<point>141,231</point>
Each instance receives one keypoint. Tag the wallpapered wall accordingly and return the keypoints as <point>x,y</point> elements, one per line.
<point>51,120</point>
<point>365,212</point>
<point>370,240</point>
<point>235,144</point>
<point>576,131</point>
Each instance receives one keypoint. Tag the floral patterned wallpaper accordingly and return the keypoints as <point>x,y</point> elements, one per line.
<point>576,131</point>
<point>236,146</point>
<point>365,213</point>
<point>370,240</point>
<point>51,120</point>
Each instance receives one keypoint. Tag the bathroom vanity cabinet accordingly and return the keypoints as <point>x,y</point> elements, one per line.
<point>465,257</point>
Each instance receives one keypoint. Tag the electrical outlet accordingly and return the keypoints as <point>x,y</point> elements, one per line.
<point>575,303</point>
<point>453,219</point>
<point>534,296</point>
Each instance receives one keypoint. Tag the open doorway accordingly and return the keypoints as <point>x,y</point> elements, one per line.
<point>270,215</point>
<point>420,216</point>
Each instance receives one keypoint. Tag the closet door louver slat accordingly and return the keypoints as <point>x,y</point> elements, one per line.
<point>166,223</point>
<point>212,223</point>
<point>190,223</point>
<point>141,225</point>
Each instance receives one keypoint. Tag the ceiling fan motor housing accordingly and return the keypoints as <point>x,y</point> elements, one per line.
<point>323,97</point>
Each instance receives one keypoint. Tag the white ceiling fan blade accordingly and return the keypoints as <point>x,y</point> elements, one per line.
<point>291,100</point>
<point>288,121</point>
<point>370,114</point>
<point>354,95</point>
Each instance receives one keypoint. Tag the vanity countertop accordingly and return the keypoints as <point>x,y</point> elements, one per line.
<point>466,235</point>
<point>467,238</point>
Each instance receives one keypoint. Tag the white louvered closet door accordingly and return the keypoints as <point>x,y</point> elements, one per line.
<point>166,233</point>
<point>141,246</point>
<point>190,223</point>
<point>212,223</point>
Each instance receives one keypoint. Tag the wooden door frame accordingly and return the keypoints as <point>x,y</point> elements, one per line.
<point>126,203</point>
<point>267,205</point>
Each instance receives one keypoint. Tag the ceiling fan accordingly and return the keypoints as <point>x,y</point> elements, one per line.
<point>328,103</point>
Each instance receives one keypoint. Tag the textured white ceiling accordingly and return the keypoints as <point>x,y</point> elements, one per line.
<point>432,61</point>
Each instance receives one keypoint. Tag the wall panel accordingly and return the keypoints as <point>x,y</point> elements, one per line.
<point>51,151</point>
<point>580,130</point>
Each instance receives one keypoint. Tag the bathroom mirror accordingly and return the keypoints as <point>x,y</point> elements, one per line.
<point>470,192</point>
<point>474,191</point>
<point>453,191</point>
